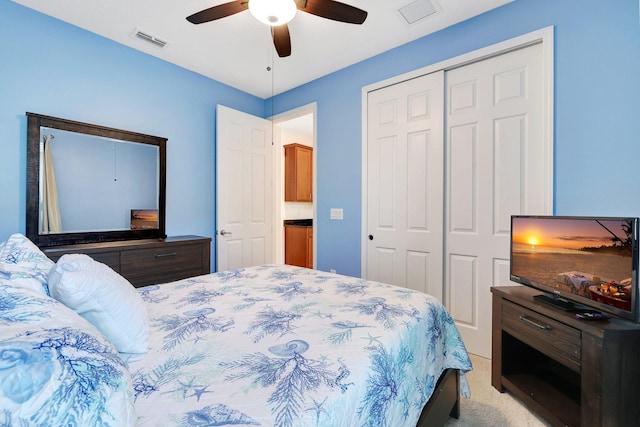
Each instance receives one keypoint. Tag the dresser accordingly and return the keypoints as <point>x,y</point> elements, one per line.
<point>148,261</point>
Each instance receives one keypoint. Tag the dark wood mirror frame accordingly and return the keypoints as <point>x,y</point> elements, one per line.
<point>34,124</point>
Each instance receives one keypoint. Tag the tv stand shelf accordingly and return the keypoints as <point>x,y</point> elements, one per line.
<point>571,372</point>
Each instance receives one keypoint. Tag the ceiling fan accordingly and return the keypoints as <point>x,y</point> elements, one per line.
<point>276,13</point>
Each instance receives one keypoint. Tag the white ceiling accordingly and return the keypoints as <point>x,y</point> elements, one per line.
<point>237,50</point>
<point>302,125</point>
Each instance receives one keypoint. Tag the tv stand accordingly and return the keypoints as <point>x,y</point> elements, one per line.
<point>563,305</point>
<point>571,372</point>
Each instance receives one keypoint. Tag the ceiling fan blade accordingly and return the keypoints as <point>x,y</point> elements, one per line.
<point>333,10</point>
<point>219,11</point>
<point>281,40</point>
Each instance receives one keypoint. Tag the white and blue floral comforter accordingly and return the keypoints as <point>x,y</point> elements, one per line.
<point>285,346</point>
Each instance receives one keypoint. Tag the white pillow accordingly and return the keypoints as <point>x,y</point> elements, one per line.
<point>104,298</point>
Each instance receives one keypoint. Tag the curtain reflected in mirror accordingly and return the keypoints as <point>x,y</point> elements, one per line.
<point>50,212</point>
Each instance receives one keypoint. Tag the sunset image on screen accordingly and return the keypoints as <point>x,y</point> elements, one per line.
<point>586,257</point>
<point>568,233</point>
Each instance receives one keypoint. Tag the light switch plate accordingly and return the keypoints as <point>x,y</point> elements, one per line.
<point>336,213</point>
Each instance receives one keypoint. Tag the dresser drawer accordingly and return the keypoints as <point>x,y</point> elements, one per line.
<point>162,264</point>
<point>112,259</point>
<point>559,341</point>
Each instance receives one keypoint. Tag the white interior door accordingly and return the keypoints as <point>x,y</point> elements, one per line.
<point>405,184</point>
<point>495,169</point>
<point>244,190</point>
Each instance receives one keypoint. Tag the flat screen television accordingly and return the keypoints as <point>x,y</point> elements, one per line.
<point>579,263</point>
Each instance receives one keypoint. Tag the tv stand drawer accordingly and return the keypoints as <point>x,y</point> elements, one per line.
<point>558,340</point>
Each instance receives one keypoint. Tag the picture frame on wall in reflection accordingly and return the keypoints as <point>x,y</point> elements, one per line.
<point>144,219</point>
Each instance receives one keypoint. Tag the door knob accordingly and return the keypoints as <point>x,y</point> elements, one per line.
<point>370,236</point>
<point>224,233</point>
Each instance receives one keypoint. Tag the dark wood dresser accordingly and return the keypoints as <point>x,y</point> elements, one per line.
<point>146,262</point>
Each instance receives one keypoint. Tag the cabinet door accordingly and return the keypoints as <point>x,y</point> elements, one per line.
<point>298,173</point>
<point>295,246</point>
<point>304,176</point>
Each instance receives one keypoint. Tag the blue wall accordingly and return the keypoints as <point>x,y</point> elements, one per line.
<point>597,111</point>
<point>52,68</point>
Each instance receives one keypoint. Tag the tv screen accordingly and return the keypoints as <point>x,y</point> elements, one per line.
<point>578,261</point>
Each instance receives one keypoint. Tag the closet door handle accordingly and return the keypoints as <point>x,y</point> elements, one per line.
<point>534,323</point>
<point>224,233</point>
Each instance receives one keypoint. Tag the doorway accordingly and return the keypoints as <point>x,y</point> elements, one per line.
<point>293,127</point>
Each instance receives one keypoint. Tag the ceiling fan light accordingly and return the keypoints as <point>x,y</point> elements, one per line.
<point>273,12</point>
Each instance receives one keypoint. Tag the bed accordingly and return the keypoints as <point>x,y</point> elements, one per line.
<point>270,345</point>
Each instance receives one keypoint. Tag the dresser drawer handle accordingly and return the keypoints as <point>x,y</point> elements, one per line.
<point>536,324</point>
<point>165,255</point>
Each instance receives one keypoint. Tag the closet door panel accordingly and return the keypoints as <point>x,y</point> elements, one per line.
<point>405,183</point>
<point>495,155</point>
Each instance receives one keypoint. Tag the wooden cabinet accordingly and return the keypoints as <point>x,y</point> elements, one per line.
<point>298,245</point>
<point>572,372</point>
<point>298,173</point>
<point>145,262</point>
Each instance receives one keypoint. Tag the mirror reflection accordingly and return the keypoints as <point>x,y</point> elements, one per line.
<point>89,183</point>
<point>93,183</point>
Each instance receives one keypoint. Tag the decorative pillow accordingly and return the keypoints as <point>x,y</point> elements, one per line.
<point>104,298</point>
<point>23,262</point>
<point>56,368</point>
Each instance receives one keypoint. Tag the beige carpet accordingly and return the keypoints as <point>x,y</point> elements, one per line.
<point>487,406</point>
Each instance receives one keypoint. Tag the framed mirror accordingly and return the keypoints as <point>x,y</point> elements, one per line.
<point>88,183</point>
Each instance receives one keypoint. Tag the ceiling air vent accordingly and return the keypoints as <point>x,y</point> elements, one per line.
<point>417,10</point>
<point>149,38</point>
